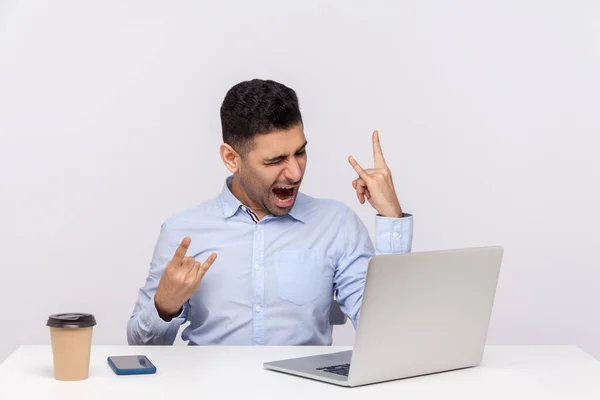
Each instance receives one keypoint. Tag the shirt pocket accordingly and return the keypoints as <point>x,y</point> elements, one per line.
<point>299,276</point>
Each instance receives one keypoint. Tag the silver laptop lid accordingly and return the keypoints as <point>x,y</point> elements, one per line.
<point>424,312</point>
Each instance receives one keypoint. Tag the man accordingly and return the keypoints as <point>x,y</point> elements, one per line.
<point>281,254</point>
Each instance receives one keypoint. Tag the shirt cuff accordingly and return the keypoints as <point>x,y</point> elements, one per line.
<point>152,322</point>
<point>393,235</point>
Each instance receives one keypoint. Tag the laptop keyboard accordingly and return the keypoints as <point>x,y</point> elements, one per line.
<point>341,369</point>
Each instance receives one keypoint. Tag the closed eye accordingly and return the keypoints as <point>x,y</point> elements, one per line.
<point>281,158</point>
<point>275,162</point>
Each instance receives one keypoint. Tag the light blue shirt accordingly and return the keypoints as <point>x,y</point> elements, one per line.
<point>273,281</point>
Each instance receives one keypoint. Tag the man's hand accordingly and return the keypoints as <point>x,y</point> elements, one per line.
<point>179,281</point>
<point>376,184</point>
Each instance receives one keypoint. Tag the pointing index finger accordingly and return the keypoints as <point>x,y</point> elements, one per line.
<point>181,250</point>
<point>377,152</point>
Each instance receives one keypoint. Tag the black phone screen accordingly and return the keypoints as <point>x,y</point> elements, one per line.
<point>131,362</point>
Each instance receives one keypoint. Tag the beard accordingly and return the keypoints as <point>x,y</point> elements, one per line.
<point>277,197</point>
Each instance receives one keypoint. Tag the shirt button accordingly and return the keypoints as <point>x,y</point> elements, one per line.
<point>244,208</point>
<point>257,308</point>
<point>259,226</point>
<point>396,234</point>
<point>256,267</point>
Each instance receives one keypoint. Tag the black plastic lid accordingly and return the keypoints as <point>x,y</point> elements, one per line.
<point>71,320</point>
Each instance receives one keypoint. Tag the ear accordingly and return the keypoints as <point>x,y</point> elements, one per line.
<point>230,157</point>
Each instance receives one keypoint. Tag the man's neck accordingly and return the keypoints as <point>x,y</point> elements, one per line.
<point>240,194</point>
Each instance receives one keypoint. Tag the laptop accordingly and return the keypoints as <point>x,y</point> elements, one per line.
<point>422,313</point>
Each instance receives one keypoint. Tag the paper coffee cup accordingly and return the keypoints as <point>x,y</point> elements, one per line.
<point>71,338</point>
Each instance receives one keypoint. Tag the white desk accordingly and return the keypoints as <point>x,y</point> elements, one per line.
<point>507,372</point>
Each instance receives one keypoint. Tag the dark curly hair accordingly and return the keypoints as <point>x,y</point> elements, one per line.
<point>257,107</point>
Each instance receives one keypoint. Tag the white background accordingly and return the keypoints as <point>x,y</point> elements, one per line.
<point>488,113</point>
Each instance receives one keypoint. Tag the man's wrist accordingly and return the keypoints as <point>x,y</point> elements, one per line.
<point>393,213</point>
<point>166,313</point>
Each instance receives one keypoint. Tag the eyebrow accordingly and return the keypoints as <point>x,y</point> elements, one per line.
<point>283,156</point>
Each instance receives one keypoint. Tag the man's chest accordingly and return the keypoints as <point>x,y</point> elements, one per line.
<point>266,263</point>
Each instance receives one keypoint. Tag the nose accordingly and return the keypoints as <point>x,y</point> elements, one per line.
<point>293,171</point>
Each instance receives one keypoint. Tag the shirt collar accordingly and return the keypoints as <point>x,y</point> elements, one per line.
<point>231,204</point>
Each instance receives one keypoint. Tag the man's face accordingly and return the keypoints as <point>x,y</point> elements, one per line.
<point>272,171</point>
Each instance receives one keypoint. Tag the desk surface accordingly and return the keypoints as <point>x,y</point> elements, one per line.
<point>198,372</point>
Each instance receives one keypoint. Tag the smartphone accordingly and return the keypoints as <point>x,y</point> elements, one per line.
<point>131,365</point>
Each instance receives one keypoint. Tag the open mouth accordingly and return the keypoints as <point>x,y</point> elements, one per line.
<point>284,195</point>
